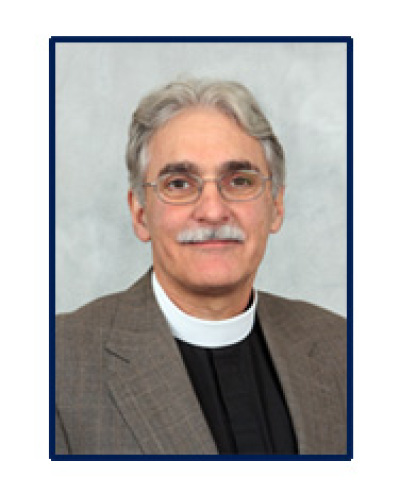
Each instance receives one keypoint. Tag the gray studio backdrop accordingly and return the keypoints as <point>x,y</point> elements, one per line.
<point>302,88</point>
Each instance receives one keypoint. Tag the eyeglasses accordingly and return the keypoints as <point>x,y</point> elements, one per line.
<point>181,188</point>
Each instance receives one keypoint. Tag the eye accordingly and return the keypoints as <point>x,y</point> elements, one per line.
<point>177,183</point>
<point>241,179</point>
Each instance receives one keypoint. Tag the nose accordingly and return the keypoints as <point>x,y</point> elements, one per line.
<point>211,206</point>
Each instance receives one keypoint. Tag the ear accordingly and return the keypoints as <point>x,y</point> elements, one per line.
<point>278,211</point>
<point>139,218</point>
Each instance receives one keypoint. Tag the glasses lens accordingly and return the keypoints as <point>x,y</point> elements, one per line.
<point>178,187</point>
<point>241,184</point>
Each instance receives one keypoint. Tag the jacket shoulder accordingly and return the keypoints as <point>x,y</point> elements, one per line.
<point>95,314</point>
<point>96,317</point>
<point>300,319</point>
<point>81,335</point>
<point>279,304</point>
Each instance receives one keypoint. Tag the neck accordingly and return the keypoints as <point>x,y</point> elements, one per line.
<point>208,303</point>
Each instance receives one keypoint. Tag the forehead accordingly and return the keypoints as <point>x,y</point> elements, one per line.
<point>205,137</point>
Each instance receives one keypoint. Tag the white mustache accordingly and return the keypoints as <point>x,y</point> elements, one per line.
<point>203,234</point>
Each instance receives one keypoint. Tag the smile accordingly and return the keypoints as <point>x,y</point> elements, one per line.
<point>214,242</point>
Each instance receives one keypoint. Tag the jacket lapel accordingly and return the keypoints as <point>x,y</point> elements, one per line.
<point>311,394</point>
<point>149,382</point>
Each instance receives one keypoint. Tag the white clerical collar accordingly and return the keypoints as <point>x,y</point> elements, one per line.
<point>204,333</point>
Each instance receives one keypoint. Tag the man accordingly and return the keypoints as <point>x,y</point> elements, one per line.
<point>191,359</point>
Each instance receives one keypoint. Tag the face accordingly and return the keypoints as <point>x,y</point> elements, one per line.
<point>207,139</point>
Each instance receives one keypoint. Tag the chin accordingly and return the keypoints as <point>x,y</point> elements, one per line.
<point>214,281</point>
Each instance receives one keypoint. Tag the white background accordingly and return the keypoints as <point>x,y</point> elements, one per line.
<point>26,28</point>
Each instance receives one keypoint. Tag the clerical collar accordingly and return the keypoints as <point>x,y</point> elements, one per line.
<point>204,333</point>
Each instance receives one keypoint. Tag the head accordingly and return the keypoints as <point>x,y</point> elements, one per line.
<point>230,98</point>
<point>210,245</point>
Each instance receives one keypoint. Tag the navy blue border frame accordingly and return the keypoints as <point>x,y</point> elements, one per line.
<point>52,196</point>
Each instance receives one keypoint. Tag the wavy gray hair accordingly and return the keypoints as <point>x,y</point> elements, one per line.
<point>231,98</point>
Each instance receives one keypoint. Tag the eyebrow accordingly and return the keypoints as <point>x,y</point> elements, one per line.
<point>192,168</point>
<point>179,167</point>
<point>233,165</point>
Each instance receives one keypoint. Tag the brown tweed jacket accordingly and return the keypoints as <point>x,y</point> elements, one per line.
<point>122,387</point>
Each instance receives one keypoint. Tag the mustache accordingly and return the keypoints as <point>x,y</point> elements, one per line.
<point>204,234</point>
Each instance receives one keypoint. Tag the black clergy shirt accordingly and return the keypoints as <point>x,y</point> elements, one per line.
<point>240,395</point>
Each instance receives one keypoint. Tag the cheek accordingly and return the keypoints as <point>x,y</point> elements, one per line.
<point>256,222</point>
<point>164,222</point>
<point>255,218</point>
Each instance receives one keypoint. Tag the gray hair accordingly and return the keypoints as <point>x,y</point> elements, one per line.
<point>231,98</point>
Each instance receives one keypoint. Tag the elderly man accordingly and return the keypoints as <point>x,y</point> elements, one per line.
<point>191,359</point>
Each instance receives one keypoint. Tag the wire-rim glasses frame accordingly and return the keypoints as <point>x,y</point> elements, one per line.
<point>199,182</point>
